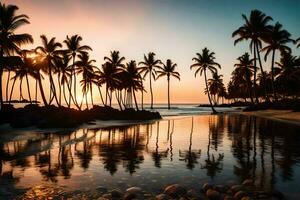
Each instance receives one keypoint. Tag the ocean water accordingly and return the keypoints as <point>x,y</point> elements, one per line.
<point>188,149</point>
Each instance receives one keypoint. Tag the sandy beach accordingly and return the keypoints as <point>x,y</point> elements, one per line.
<point>279,115</point>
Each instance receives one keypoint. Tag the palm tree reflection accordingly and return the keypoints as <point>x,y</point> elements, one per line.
<point>190,156</point>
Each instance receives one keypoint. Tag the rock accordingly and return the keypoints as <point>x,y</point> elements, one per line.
<point>116,193</point>
<point>246,198</point>
<point>175,190</point>
<point>213,194</point>
<point>206,186</point>
<point>192,194</point>
<point>102,198</point>
<point>133,193</point>
<point>248,182</point>
<point>162,197</point>
<point>228,197</point>
<point>236,188</point>
<point>107,196</point>
<point>239,195</point>
<point>134,190</point>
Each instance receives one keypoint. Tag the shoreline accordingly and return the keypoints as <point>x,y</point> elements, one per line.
<point>287,116</point>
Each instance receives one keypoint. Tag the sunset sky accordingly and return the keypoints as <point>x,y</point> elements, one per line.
<point>174,29</point>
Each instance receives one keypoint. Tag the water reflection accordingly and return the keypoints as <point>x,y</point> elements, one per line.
<point>216,147</point>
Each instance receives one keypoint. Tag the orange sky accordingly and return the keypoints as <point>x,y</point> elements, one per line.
<point>171,30</point>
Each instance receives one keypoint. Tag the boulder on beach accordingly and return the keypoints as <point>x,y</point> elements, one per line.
<point>213,194</point>
<point>175,190</point>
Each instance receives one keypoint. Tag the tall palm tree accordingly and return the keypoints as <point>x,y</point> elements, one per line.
<point>203,62</point>
<point>10,42</point>
<point>245,67</point>
<point>86,68</point>
<point>276,39</point>
<point>254,29</point>
<point>116,63</point>
<point>74,49</point>
<point>168,70</point>
<point>149,66</point>
<point>49,52</point>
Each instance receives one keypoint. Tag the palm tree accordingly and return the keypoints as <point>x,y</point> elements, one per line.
<point>116,63</point>
<point>86,68</point>
<point>245,68</point>
<point>149,66</point>
<point>168,70</point>
<point>64,74</point>
<point>74,49</point>
<point>254,29</point>
<point>132,80</point>
<point>215,86</point>
<point>276,39</point>
<point>10,41</point>
<point>48,53</point>
<point>206,61</point>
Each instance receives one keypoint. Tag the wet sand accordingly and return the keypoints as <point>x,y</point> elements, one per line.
<point>280,115</point>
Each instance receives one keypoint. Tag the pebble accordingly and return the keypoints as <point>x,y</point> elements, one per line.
<point>248,182</point>
<point>236,188</point>
<point>206,186</point>
<point>162,197</point>
<point>240,194</point>
<point>213,194</point>
<point>175,190</point>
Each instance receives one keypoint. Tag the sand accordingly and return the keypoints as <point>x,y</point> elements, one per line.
<point>280,115</point>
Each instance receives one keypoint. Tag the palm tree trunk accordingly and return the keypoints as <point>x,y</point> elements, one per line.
<point>91,91</point>
<point>65,97</point>
<point>86,100</point>
<point>168,92</point>
<point>99,89</point>
<point>106,93</point>
<point>119,101</point>
<point>42,91</point>
<point>36,89</point>
<point>7,84</point>
<point>12,89</point>
<point>262,72</point>
<point>28,89</point>
<point>59,87</point>
<point>135,101</point>
<point>1,74</point>
<point>20,89</point>
<point>212,108</point>
<point>75,96</point>
<point>142,96</point>
<point>254,78</point>
<point>150,74</point>
<point>272,74</point>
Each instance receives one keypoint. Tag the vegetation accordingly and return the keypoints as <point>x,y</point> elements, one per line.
<point>62,64</point>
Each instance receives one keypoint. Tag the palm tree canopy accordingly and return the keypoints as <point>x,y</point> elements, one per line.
<point>10,42</point>
<point>205,61</point>
<point>276,39</point>
<point>253,29</point>
<point>74,47</point>
<point>115,59</point>
<point>149,65</point>
<point>168,69</point>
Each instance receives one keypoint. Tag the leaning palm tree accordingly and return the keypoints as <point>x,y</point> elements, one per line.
<point>48,52</point>
<point>168,70</point>
<point>74,49</point>
<point>254,29</point>
<point>10,41</point>
<point>215,87</point>
<point>276,39</point>
<point>245,68</point>
<point>203,62</point>
<point>149,66</point>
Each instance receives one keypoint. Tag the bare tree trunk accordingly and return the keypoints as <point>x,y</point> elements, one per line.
<point>212,108</point>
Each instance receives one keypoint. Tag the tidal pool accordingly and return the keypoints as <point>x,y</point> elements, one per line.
<point>220,149</point>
